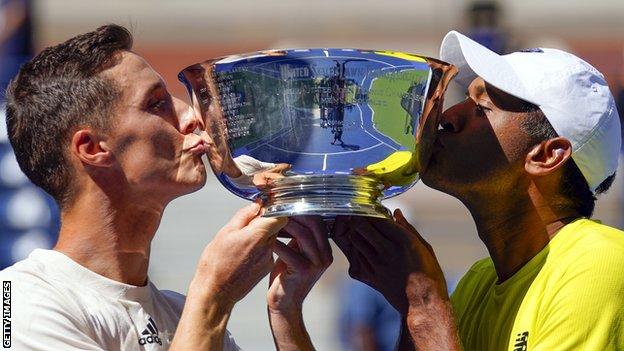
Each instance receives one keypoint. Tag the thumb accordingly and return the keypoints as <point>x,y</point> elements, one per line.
<point>267,226</point>
<point>243,217</point>
<point>400,218</point>
<point>398,215</point>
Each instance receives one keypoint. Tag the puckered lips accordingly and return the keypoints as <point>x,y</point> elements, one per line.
<point>197,147</point>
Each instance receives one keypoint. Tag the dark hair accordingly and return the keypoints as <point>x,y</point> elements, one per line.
<point>574,190</point>
<point>57,92</point>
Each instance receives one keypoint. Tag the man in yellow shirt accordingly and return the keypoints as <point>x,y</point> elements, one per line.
<point>535,141</point>
<point>569,296</point>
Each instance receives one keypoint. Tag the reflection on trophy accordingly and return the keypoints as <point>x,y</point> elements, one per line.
<point>319,131</point>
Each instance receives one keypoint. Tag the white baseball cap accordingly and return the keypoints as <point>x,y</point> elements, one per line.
<point>573,95</point>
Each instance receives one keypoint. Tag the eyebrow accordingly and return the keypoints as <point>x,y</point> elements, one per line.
<point>155,86</point>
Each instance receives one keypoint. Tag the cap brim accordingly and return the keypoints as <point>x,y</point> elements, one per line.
<point>475,60</point>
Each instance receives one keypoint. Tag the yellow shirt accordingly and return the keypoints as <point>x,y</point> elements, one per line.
<point>570,296</point>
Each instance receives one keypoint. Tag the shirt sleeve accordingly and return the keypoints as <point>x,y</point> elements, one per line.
<point>481,273</point>
<point>585,309</point>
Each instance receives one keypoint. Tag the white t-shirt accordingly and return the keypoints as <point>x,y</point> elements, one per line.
<point>57,304</point>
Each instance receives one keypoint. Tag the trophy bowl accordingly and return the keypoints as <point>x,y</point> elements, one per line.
<point>319,131</point>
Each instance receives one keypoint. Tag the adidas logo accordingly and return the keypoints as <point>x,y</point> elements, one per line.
<point>150,334</point>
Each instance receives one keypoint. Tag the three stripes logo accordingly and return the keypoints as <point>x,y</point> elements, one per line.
<point>150,334</point>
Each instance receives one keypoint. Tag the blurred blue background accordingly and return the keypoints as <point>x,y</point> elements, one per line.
<point>171,35</point>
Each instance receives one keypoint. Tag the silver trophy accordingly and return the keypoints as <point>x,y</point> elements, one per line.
<point>319,131</point>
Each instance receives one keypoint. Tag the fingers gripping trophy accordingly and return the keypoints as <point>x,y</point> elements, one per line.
<point>319,131</point>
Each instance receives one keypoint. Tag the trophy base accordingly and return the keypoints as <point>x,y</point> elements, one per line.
<point>325,195</point>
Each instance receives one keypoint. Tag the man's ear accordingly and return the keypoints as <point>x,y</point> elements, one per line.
<point>548,156</point>
<point>91,149</point>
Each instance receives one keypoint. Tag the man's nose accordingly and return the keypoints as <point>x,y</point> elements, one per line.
<point>454,118</point>
<point>188,119</point>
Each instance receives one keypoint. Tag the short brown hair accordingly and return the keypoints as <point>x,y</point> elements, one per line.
<point>574,190</point>
<point>57,92</point>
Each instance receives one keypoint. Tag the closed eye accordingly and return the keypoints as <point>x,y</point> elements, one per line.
<point>482,109</point>
<point>159,105</point>
<point>157,98</point>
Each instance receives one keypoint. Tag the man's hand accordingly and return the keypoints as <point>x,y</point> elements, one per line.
<point>392,257</point>
<point>231,265</point>
<point>301,263</point>
<point>240,255</point>
<point>387,254</point>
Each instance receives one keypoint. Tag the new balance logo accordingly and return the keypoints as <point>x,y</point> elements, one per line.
<point>521,341</point>
<point>150,334</point>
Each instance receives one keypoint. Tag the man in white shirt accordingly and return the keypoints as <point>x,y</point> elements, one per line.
<point>94,125</point>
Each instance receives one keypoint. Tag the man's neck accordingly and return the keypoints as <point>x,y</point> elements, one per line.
<point>516,230</point>
<point>112,240</point>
